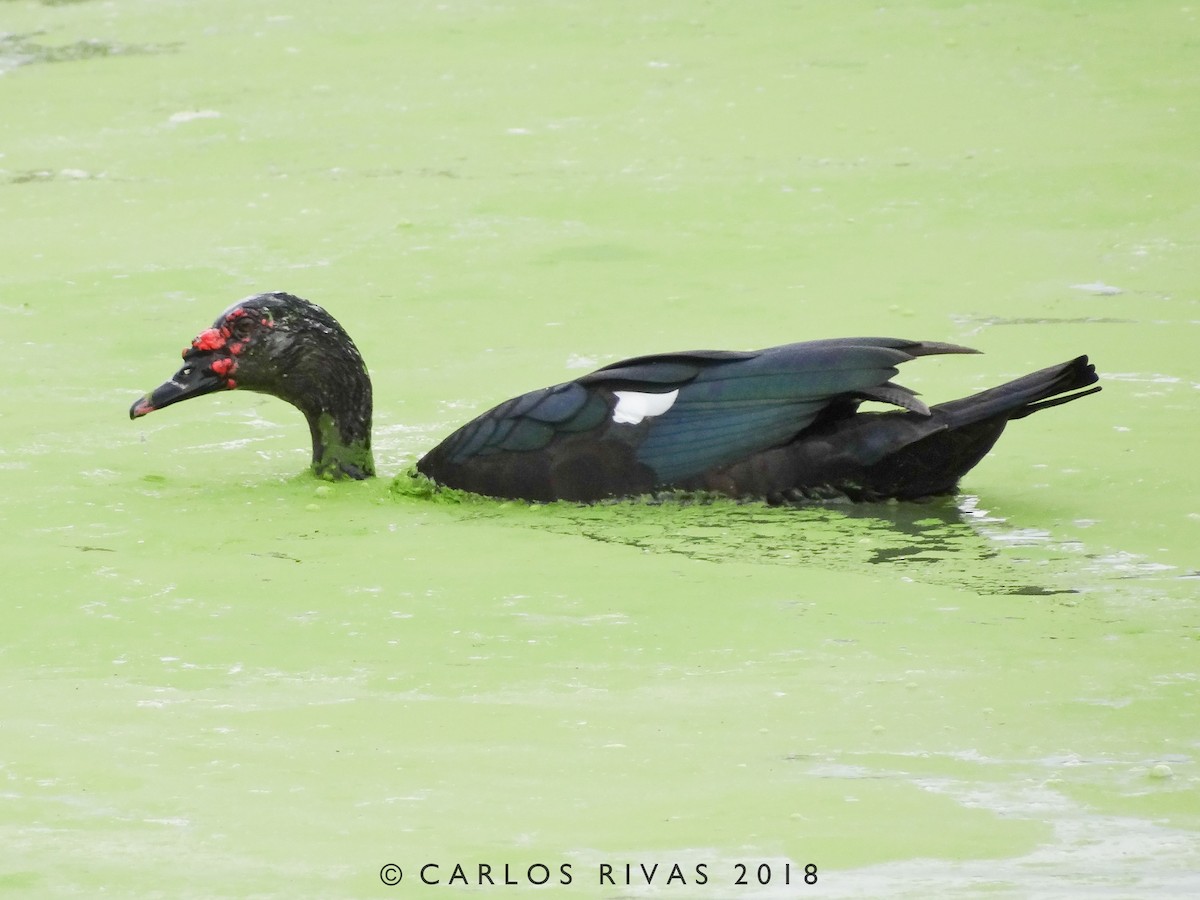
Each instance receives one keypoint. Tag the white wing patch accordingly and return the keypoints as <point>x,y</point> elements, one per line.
<point>633,406</point>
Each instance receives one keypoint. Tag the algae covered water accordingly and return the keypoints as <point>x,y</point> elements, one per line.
<point>221,677</point>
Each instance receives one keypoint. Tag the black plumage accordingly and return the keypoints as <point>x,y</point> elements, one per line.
<point>780,424</point>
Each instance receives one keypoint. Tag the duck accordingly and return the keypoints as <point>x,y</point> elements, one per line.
<point>780,425</point>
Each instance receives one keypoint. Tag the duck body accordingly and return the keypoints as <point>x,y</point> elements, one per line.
<point>781,424</point>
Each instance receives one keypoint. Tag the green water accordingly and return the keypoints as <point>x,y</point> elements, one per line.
<point>221,678</point>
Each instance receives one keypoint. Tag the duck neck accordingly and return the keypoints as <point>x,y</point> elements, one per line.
<point>335,398</point>
<point>342,445</point>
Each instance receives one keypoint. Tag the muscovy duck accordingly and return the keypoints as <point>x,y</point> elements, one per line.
<point>780,424</point>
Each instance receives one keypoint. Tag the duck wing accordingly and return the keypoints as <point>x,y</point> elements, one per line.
<point>730,407</point>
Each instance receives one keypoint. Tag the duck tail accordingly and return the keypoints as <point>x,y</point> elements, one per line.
<point>1024,396</point>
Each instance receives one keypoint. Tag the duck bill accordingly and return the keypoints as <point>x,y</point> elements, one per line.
<point>190,381</point>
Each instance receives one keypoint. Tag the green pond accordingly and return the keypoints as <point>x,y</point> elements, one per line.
<point>220,677</point>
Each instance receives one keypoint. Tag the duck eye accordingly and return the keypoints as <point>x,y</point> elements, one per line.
<point>242,328</point>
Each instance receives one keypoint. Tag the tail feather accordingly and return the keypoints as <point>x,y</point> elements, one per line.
<point>1024,396</point>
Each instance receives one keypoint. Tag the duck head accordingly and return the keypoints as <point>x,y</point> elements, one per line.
<point>281,345</point>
